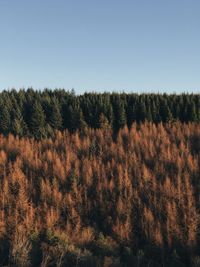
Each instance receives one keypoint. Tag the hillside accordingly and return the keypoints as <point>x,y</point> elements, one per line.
<point>86,199</point>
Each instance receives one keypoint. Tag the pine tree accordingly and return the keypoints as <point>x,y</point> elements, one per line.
<point>18,124</point>
<point>148,113</point>
<point>55,117</point>
<point>4,119</point>
<point>141,111</point>
<point>165,112</point>
<point>103,122</point>
<point>81,124</point>
<point>155,113</point>
<point>192,114</point>
<point>177,111</point>
<point>131,112</point>
<point>120,114</point>
<point>38,121</point>
<point>76,119</point>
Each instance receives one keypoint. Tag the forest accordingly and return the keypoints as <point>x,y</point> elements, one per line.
<point>39,113</point>
<point>99,180</point>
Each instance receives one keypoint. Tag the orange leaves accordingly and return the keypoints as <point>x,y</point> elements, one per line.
<point>3,157</point>
<point>58,169</point>
<point>52,218</point>
<point>78,184</point>
<point>122,230</point>
<point>87,172</point>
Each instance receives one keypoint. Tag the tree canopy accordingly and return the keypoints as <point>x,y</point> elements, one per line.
<point>39,113</point>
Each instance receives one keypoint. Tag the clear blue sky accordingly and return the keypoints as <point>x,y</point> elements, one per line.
<point>100,45</point>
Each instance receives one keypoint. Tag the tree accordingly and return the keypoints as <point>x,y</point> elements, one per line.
<point>148,113</point>
<point>155,114</point>
<point>141,111</point>
<point>103,122</point>
<point>18,123</point>
<point>165,112</point>
<point>192,114</point>
<point>38,121</point>
<point>120,114</point>
<point>55,117</point>
<point>4,119</point>
<point>76,119</point>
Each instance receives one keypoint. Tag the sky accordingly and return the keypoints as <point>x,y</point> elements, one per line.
<point>100,45</point>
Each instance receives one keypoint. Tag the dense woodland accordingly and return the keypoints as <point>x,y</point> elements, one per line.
<point>40,113</point>
<point>99,180</point>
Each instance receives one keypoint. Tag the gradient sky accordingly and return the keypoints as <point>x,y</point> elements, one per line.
<point>100,45</point>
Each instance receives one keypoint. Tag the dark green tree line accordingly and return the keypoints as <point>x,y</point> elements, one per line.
<point>40,113</point>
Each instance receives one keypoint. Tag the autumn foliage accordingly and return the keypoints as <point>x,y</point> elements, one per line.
<point>93,198</point>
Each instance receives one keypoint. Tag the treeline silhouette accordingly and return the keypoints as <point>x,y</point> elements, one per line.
<point>40,113</point>
<point>84,199</point>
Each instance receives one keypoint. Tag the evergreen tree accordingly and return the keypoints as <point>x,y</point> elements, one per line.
<point>81,124</point>
<point>18,124</point>
<point>155,113</point>
<point>103,122</point>
<point>165,112</point>
<point>148,113</point>
<point>192,114</point>
<point>131,111</point>
<point>38,121</point>
<point>177,111</point>
<point>120,114</point>
<point>65,110</point>
<point>55,117</point>
<point>141,111</point>
<point>76,119</point>
<point>4,119</point>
